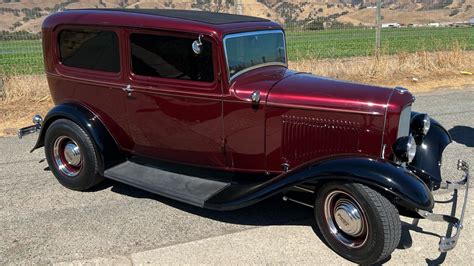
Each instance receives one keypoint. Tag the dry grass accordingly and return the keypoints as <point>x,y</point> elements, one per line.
<point>27,95</point>
<point>23,97</point>
<point>417,71</point>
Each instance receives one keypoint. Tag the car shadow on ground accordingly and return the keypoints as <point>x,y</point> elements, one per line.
<point>463,135</point>
<point>273,211</point>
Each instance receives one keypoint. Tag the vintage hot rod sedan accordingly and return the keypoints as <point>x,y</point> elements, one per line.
<point>201,107</point>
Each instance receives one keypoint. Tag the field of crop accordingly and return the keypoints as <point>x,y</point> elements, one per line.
<point>24,56</point>
<point>340,43</point>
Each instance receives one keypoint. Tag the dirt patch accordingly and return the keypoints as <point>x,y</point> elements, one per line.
<point>27,95</point>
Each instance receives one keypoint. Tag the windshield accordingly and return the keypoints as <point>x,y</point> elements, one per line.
<point>245,51</point>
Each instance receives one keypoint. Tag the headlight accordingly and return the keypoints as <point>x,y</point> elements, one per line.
<point>420,125</point>
<point>405,149</point>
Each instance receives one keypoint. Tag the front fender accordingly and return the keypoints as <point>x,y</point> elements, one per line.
<point>103,140</point>
<point>403,186</point>
<point>429,153</point>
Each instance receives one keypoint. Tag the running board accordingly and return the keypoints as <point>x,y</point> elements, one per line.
<point>181,187</point>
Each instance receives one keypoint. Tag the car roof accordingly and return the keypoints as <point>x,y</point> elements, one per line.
<point>203,22</point>
<point>192,15</point>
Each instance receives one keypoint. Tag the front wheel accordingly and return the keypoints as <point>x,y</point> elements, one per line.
<point>357,222</point>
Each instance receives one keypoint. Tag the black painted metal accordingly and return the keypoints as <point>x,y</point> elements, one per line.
<point>105,144</point>
<point>429,152</point>
<point>401,185</point>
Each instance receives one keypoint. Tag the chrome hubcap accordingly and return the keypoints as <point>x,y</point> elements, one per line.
<point>348,218</point>
<point>67,156</point>
<point>345,219</point>
<point>72,154</point>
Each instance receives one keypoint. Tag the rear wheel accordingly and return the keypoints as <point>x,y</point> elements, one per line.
<point>357,222</point>
<point>71,155</point>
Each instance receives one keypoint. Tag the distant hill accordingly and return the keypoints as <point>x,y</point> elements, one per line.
<point>27,15</point>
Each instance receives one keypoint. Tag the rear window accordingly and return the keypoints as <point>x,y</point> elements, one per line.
<point>170,57</point>
<point>90,49</point>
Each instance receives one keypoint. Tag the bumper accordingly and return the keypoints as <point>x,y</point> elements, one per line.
<point>37,120</point>
<point>447,243</point>
<point>28,130</point>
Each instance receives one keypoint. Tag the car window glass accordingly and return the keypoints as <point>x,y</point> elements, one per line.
<point>90,49</point>
<point>170,57</point>
<point>251,49</point>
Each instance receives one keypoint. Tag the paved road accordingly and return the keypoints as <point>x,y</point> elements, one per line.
<point>42,222</point>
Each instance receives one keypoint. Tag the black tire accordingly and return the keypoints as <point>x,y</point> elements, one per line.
<point>381,229</point>
<point>86,174</point>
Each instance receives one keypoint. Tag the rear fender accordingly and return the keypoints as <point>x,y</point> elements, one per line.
<point>87,120</point>
<point>399,184</point>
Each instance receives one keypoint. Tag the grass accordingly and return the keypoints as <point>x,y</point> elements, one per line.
<point>342,43</point>
<point>25,57</point>
<point>21,57</point>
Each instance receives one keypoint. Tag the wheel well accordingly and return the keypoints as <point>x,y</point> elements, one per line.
<point>317,185</point>
<point>107,149</point>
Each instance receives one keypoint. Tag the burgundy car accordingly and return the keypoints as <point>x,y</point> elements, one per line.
<point>201,107</point>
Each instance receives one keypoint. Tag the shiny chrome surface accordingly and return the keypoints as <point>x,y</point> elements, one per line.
<point>128,89</point>
<point>405,149</point>
<point>197,45</point>
<point>255,96</point>
<point>37,122</point>
<point>404,122</point>
<point>72,154</point>
<point>447,243</point>
<point>285,198</point>
<point>401,90</point>
<point>37,119</point>
<point>346,220</point>
<point>67,156</point>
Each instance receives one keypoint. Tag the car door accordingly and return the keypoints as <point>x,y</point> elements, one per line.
<point>174,106</point>
<point>90,71</point>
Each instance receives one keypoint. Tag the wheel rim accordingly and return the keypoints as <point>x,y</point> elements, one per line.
<point>67,156</point>
<point>346,219</point>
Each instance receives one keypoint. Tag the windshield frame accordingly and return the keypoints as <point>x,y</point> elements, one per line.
<point>249,33</point>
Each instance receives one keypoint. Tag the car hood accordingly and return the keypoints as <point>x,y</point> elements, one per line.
<point>310,91</point>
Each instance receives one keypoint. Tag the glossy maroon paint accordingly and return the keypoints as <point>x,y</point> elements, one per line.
<point>300,116</point>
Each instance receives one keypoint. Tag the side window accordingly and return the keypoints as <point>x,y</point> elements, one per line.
<point>170,57</point>
<point>90,49</point>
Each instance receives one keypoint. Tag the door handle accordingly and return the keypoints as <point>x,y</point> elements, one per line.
<point>255,97</point>
<point>128,89</point>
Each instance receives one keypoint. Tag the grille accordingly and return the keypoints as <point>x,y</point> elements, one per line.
<point>404,123</point>
<point>304,138</point>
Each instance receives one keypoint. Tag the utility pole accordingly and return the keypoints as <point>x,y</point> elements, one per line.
<point>378,27</point>
<point>238,7</point>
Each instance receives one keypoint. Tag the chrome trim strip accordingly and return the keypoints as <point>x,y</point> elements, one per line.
<point>285,198</point>
<point>235,35</point>
<point>304,189</point>
<point>308,107</point>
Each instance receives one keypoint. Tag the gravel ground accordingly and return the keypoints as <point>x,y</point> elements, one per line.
<point>43,222</point>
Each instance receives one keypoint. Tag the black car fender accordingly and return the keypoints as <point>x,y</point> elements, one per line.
<point>87,120</point>
<point>429,153</point>
<point>403,187</point>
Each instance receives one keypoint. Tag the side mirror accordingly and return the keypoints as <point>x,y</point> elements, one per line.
<point>197,45</point>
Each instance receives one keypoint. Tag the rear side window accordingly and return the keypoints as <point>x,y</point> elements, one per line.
<point>170,57</point>
<point>90,49</point>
